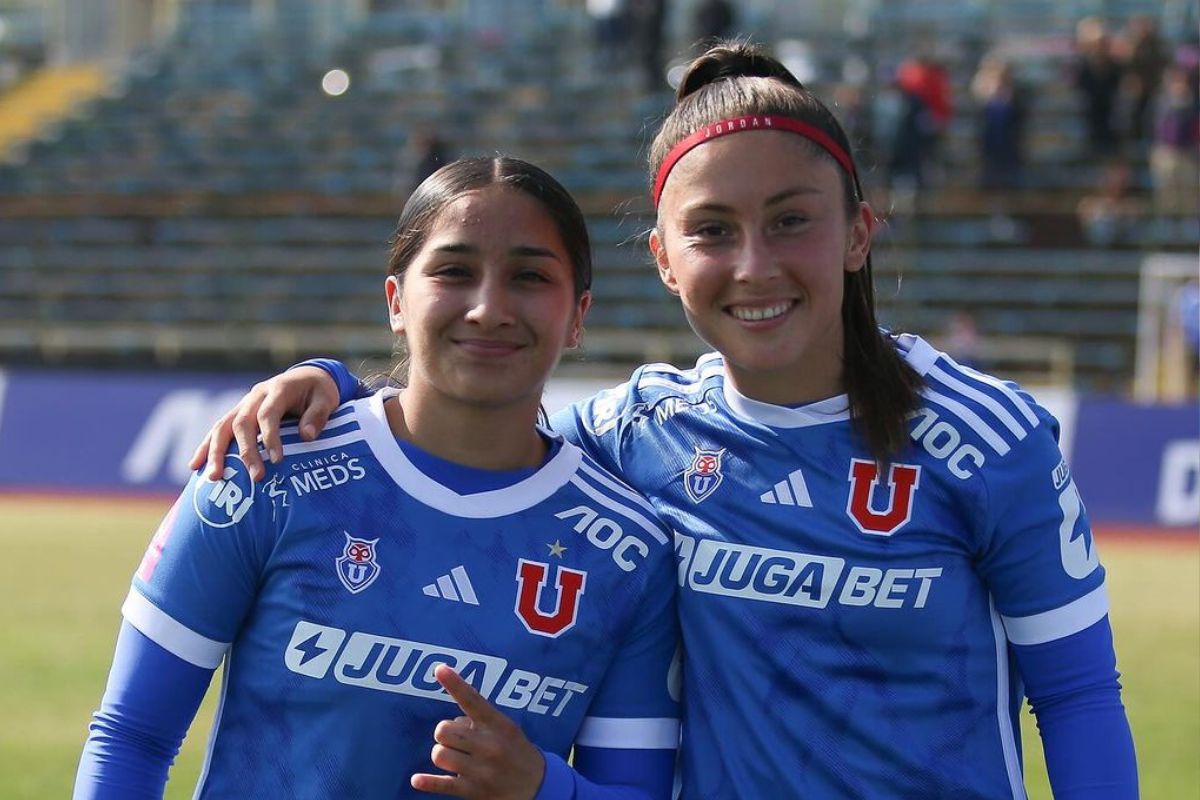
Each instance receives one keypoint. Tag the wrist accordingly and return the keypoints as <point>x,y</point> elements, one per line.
<point>344,381</point>
<point>558,779</point>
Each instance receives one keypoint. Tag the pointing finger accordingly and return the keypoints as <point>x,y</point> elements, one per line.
<point>470,701</point>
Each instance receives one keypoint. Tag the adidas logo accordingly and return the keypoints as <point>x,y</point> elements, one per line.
<point>792,491</point>
<point>455,586</point>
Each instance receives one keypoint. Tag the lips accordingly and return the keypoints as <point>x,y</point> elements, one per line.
<point>489,347</point>
<point>760,312</point>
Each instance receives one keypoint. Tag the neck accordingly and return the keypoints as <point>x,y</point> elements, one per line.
<point>819,375</point>
<point>785,390</point>
<point>485,438</point>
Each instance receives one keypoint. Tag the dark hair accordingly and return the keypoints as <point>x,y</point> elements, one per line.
<point>734,79</point>
<point>467,174</point>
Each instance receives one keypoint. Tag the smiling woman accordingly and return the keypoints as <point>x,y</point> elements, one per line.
<point>441,565</point>
<point>486,288</point>
<point>880,550</point>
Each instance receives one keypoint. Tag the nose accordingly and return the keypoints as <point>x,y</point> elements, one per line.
<point>755,261</point>
<point>491,303</point>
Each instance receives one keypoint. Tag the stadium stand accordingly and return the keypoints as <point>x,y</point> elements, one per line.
<point>218,209</point>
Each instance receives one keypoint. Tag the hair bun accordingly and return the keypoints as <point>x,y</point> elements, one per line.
<point>732,60</point>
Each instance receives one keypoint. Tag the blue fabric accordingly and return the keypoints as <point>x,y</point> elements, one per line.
<point>625,775</point>
<point>999,513</point>
<point>341,583</point>
<point>153,695</point>
<point>349,386</point>
<point>470,480</point>
<point>640,773</point>
<point>151,698</point>
<point>863,604</point>
<point>1073,689</point>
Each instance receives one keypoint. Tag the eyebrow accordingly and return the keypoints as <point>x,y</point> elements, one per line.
<point>778,197</point>
<point>523,250</point>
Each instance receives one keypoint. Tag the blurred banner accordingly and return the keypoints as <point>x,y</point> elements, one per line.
<point>1138,463</point>
<point>134,432</point>
<point>107,431</point>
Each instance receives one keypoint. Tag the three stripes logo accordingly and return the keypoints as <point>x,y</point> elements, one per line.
<point>455,586</point>
<point>791,491</point>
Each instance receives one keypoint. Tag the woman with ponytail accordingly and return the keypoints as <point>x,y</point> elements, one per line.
<point>881,552</point>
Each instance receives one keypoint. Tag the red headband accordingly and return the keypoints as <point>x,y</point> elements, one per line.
<point>754,122</point>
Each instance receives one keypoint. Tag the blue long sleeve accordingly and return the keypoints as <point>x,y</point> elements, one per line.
<point>1073,689</point>
<point>609,774</point>
<point>149,702</point>
<point>348,384</point>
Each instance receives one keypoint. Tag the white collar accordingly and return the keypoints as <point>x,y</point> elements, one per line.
<point>831,409</point>
<point>548,479</point>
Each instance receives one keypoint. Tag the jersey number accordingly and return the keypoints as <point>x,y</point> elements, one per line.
<point>1079,556</point>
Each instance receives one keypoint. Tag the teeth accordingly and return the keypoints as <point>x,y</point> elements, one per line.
<point>756,314</point>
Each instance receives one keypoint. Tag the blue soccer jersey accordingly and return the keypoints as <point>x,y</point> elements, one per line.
<point>334,588</point>
<point>851,634</point>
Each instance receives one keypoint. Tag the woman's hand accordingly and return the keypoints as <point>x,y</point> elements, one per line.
<point>307,392</point>
<point>487,752</point>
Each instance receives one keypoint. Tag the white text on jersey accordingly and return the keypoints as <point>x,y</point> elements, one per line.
<point>327,472</point>
<point>800,579</point>
<point>627,550</point>
<point>406,667</point>
<point>942,441</point>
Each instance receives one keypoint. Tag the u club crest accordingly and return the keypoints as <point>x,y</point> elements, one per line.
<point>703,477</point>
<point>357,568</point>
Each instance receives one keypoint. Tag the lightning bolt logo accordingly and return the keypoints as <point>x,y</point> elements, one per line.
<point>311,648</point>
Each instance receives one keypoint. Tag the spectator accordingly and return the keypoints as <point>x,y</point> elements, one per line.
<point>648,18</point>
<point>1145,58</point>
<point>424,153</point>
<point>855,111</point>
<point>1002,112</point>
<point>1107,214</point>
<point>1098,79</point>
<point>1173,155</point>
<point>926,110</point>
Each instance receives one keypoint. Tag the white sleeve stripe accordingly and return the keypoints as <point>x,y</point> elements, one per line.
<point>1007,391</point>
<point>981,398</point>
<point>171,635</point>
<point>651,733</point>
<point>293,429</point>
<point>1058,622</point>
<point>626,511</point>
<point>604,480</point>
<point>323,444</point>
<point>685,388</point>
<point>972,419</point>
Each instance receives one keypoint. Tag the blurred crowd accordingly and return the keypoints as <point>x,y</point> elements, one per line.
<point>1140,103</point>
<point>1139,112</point>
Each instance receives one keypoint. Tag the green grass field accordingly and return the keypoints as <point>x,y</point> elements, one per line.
<point>66,566</point>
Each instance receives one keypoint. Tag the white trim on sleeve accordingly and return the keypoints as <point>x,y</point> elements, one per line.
<point>170,634</point>
<point>1058,622</point>
<point>648,733</point>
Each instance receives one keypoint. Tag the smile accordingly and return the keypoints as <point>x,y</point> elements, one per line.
<point>752,314</point>
<point>488,347</point>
